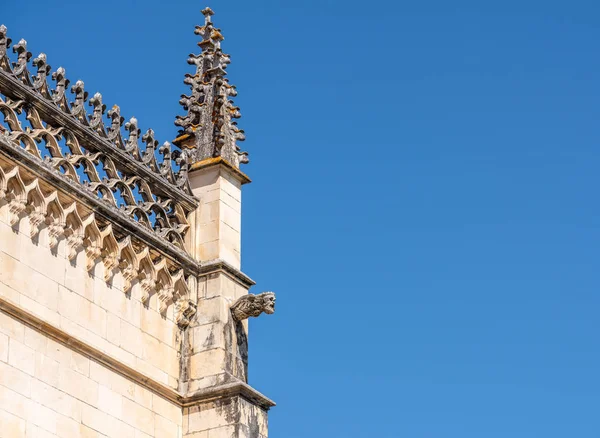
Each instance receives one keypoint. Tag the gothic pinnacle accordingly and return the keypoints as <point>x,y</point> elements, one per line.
<point>209,121</point>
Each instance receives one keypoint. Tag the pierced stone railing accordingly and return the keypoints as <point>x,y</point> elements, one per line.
<point>92,185</point>
<point>106,160</point>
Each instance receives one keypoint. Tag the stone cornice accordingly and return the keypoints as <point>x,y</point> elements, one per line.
<point>113,215</point>
<point>184,400</point>
<point>226,391</point>
<point>219,161</point>
<point>218,265</point>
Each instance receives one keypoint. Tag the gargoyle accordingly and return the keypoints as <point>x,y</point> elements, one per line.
<point>253,305</point>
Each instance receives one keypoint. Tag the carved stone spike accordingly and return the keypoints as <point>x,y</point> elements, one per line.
<point>5,43</point>
<point>93,254</point>
<point>40,79</point>
<point>129,274</point>
<point>58,94</point>
<point>74,243</point>
<point>165,295</point>
<point>253,305</point>
<point>96,119</point>
<point>147,284</point>
<point>16,207</point>
<point>55,230</point>
<point>23,56</point>
<point>36,218</point>
<point>185,309</point>
<point>78,106</point>
<point>114,132</point>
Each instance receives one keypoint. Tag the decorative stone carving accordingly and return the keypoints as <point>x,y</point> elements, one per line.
<point>89,148</point>
<point>210,111</point>
<point>185,309</point>
<point>253,305</point>
<point>64,219</point>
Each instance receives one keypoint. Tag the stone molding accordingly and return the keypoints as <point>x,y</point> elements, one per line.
<point>221,266</point>
<point>223,391</point>
<point>220,161</point>
<point>121,222</point>
<point>84,229</point>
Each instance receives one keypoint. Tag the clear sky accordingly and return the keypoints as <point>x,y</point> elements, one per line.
<point>425,198</point>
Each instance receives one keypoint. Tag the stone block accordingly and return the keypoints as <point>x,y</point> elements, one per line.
<point>11,241</point>
<point>29,282</point>
<point>11,425</point>
<point>211,415</point>
<point>35,340</point>
<point>46,369</point>
<point>104,376</point>
<point>21,357</point>
<point>207,337</point>
<point>213,310</point>
<point>15,379</point>
<point>14,403</point>
<point>39,310</point>
<point>95,419</point>
<point>56,400</point>
<point>113,328</point>
<point>3,348</point>
<point>43,417</point>
<point>208,363</point>
<point>167,409</point>
<point>132,339</point>
<point>78,386</point>
<point>80,363</point>
<point>110,402</point>
<point>82,312</point>
<point>9,294</point>
<point>164,428</point>
<point>138,416</point>
<point>78,280</point>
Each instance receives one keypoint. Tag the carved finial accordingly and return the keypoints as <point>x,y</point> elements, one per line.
<point>132,146</point>
<point>58,94</point>
<point>207,12</point>
<point>78,106</point>
<point>149,159</point>
<point>40,79</point>
<point>23,57</point>
<point>210,111</point>
<point>96,119</point>
<point>5,43</point>
<point>253,305</point>
<point>114,132</point>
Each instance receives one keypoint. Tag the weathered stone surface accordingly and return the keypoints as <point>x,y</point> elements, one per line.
<point>122,305</point>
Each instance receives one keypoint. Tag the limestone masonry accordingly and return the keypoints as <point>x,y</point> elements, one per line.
<point>123,309</point>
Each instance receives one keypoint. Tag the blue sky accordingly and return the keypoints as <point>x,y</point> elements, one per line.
<point>425,198</point>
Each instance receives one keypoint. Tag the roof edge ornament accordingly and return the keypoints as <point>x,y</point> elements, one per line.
<point>95,150</point>
<point>209,129</point>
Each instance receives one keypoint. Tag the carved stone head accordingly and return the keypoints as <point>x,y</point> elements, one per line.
<point>268,302</point>
<point>253,305</point>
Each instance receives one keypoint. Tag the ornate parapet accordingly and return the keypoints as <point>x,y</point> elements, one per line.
<point>87,178</point>
<point>253,305</point>
<point>97,151</point>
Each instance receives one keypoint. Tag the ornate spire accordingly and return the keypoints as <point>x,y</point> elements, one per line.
<point>209,126</point>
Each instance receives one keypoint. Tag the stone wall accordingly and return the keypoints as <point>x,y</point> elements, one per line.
<point>49,390</point>
<point>59,327</point>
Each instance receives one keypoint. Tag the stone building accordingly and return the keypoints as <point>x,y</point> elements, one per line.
<point>123,309</point>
